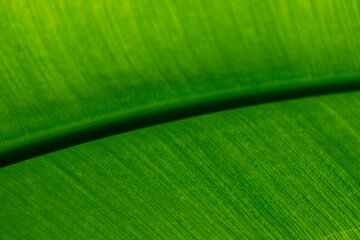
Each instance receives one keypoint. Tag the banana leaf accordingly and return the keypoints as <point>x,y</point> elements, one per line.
<point>286,170</point>
<point>76,66</point>
<point>184,119</point>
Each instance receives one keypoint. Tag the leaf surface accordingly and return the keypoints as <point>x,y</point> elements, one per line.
<point>68,67</point>
<point>285,170</point>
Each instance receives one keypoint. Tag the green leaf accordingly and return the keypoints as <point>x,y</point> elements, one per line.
<point>286,170</point>
<point>68,67</point>
<point>108,102</point>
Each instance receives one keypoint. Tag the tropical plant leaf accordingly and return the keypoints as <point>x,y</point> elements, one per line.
<point>88,72</point>
<point>286,170</point>
<point>73,66</point>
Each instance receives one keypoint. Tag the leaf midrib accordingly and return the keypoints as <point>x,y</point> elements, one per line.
<point>115,124</point>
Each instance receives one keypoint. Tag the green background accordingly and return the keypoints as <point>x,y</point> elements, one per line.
<point>69,65</point>
<point>281,170</point>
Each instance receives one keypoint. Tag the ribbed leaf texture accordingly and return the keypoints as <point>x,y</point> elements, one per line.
<point>192,119</point>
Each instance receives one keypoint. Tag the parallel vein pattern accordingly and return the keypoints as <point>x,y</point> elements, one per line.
<point>286,170</point>
<point>69,64</point>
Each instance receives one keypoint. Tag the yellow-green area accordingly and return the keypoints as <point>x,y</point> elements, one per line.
<point>75,71</point>
<point>68,65</point>
<point>286,170</point>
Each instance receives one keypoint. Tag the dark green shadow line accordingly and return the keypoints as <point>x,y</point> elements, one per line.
<point>50,144</point>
